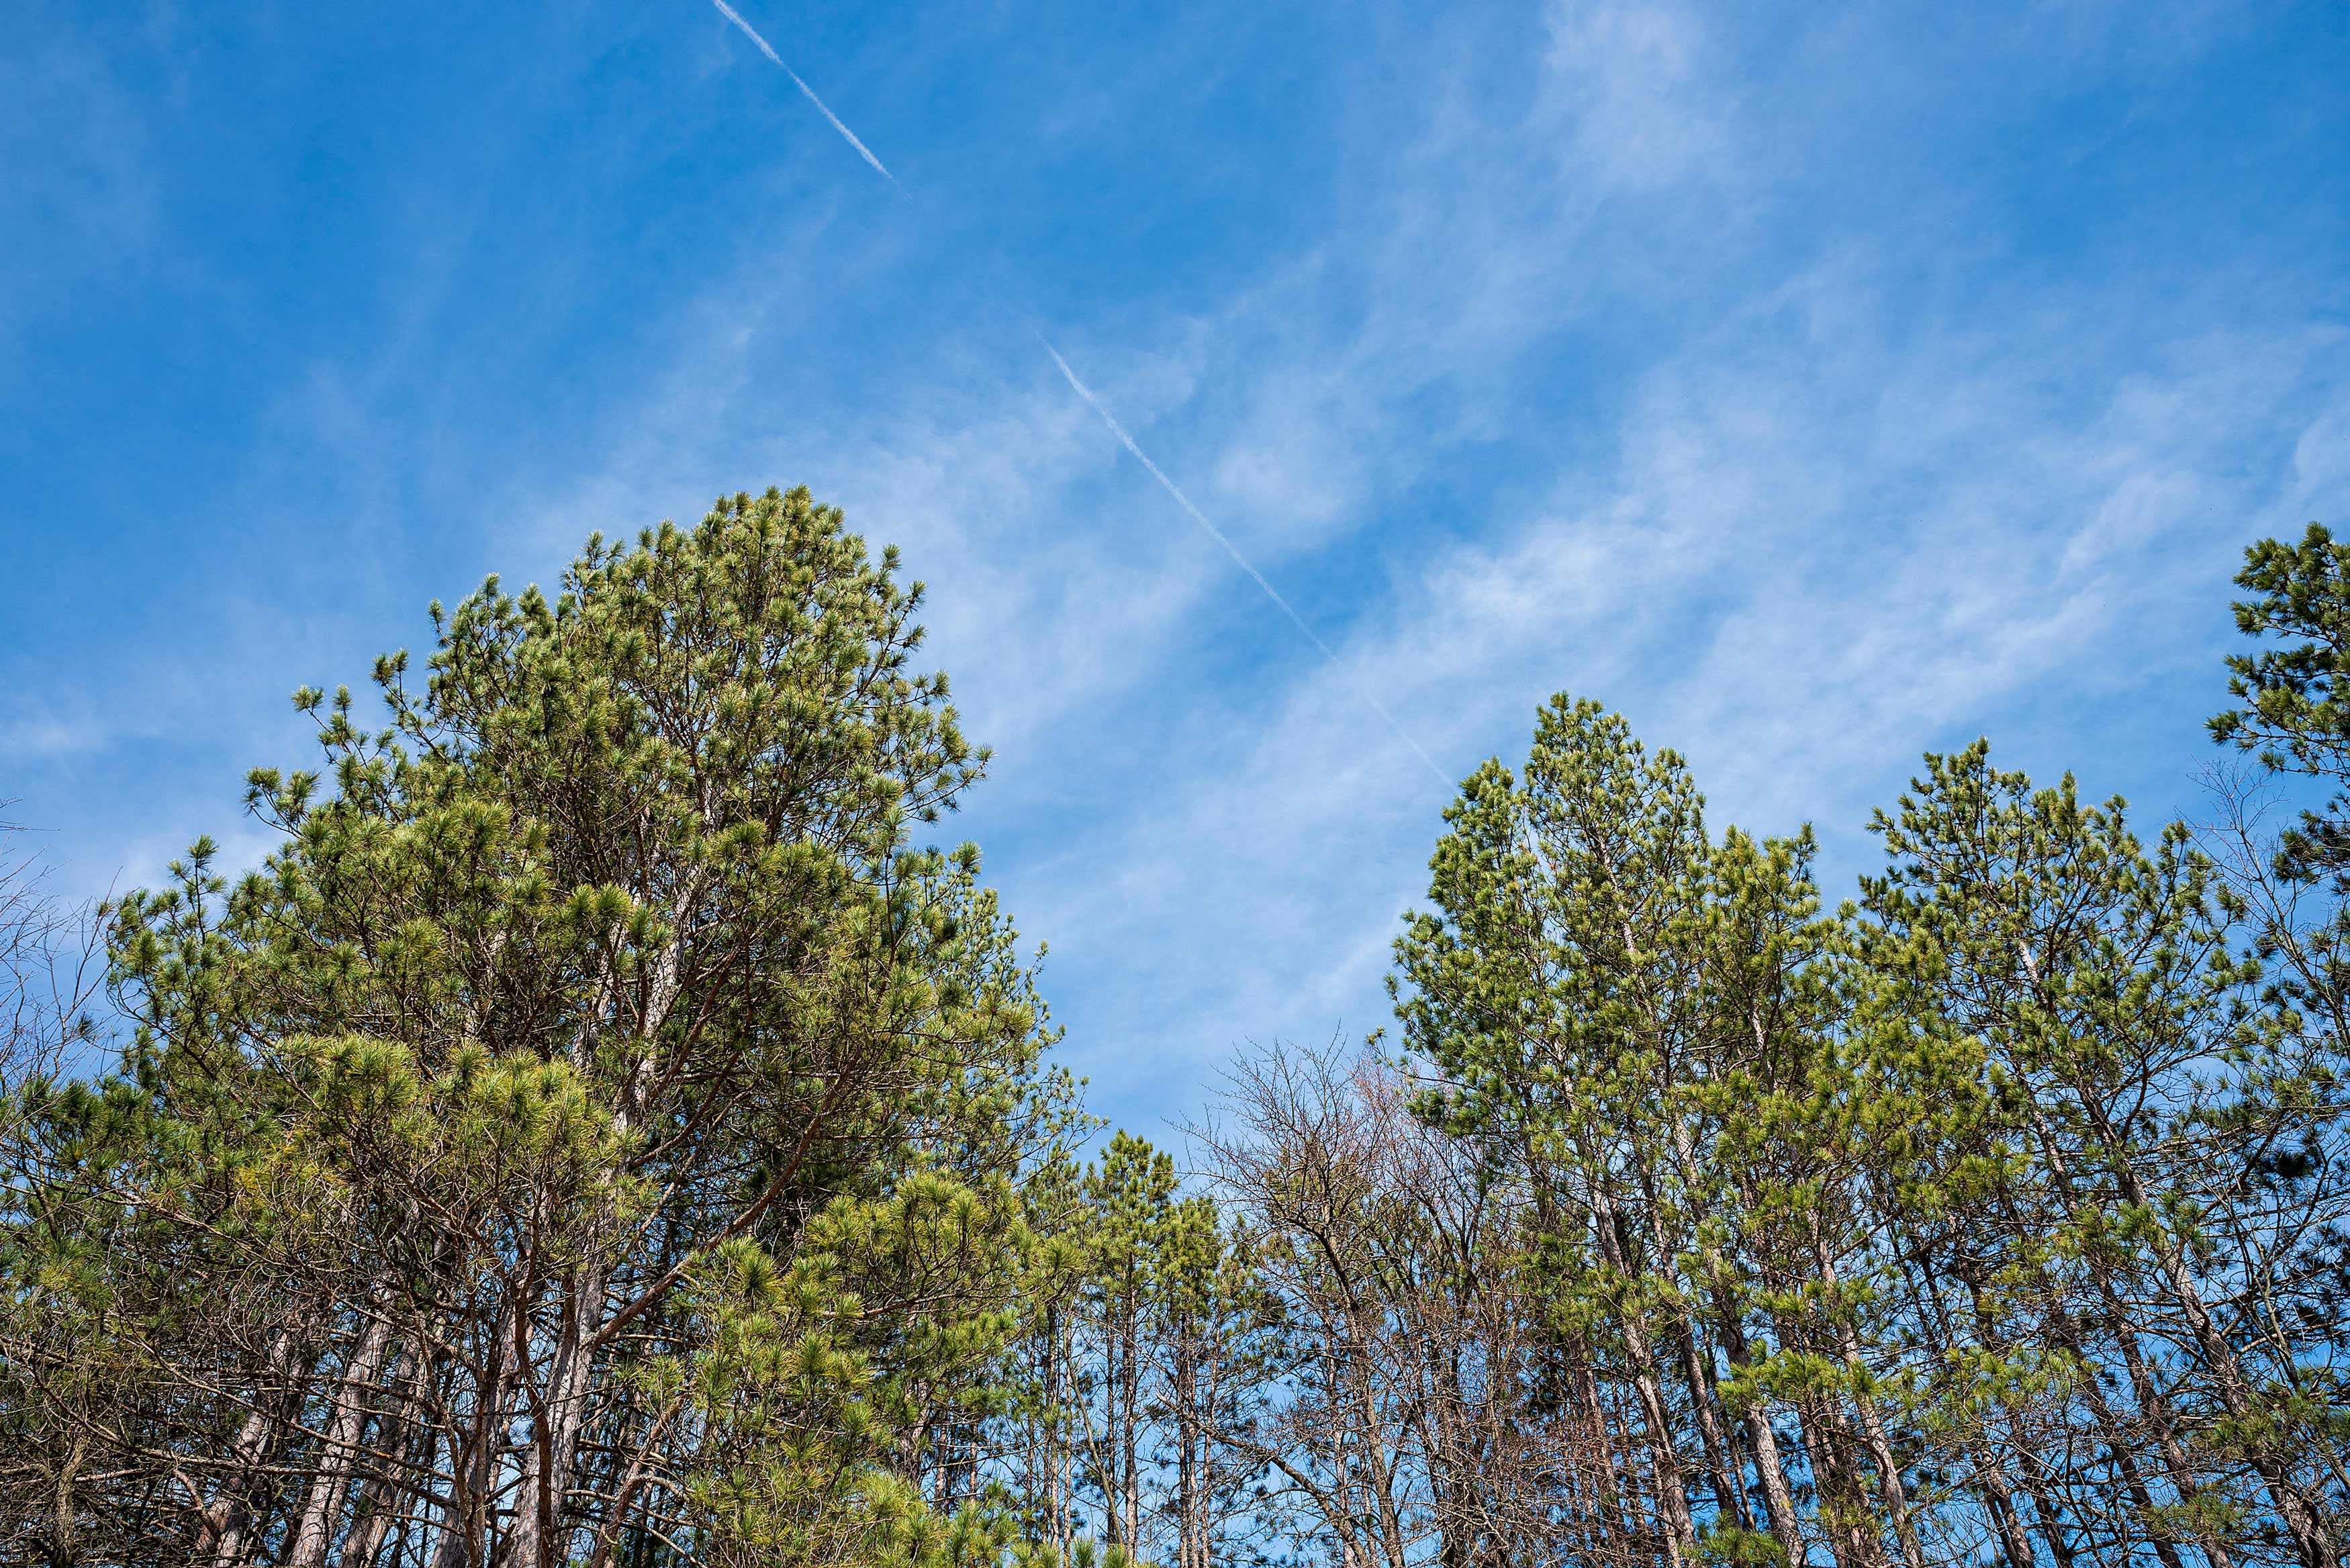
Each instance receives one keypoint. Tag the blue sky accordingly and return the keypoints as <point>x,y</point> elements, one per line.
<point>1818,386</point>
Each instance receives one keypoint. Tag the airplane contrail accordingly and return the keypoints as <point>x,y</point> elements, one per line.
<point>1240,560</point>
<point>1118,430</point>
<point>767,50</point>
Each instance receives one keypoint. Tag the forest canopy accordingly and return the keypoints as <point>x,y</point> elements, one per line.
<point>605,1130</point>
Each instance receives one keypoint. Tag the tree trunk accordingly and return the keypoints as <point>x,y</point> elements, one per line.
<point>225,1522</point>
<point>322,1511</point>
<point>1664,1460</point>
<point>2312,1541</point>
<point>1889,1489</point>
<point>1778,1499</point>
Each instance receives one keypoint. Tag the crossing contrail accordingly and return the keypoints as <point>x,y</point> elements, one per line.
<point>767,50</point>
<point>1232,550</point>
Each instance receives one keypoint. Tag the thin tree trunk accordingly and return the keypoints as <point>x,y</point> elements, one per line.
<point>1727,1496</point>
<point>1611,1471</point>
<point>2156,1408</point>
<point>226,1522</point>
<point>2044,1511</point>
<point>322,1510</point>
<point>1999,1500</point>
<point>542,1504</point>
<point>1778,1497</point>
<point>63,1513</point>
<point>464,1530</point>
<point>1889,1489</point>
<point>1843,1511</point>
<point>2311,1539</point>
<point>373,1519</point>
<point>1130,1480</point>
<point>1665,1461</point>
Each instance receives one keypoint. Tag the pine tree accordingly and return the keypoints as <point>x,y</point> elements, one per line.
<point>608,955</point>
<point>1554,991</point>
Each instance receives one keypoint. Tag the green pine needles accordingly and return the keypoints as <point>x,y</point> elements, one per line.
<point>606,1132</point>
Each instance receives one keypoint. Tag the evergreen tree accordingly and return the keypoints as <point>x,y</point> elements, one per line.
<point>609,955</point>
<point>601,1134</point>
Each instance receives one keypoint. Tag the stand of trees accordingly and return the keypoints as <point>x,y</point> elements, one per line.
<point>602,1134</point>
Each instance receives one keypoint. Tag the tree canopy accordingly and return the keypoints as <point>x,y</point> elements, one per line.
<point>606,1131</point>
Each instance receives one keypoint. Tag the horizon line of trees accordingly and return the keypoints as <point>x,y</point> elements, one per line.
<point>602,1134</point>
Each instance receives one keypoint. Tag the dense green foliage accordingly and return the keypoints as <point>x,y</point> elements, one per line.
<point>602,1133</point>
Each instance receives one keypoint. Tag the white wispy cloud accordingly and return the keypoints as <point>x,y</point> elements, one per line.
<point>1632,85</point>
<point>1828,516</point>
<point>1119,430</point>
<point>1614,347</point>
<point>83,198</point>
<point>1726,586</point>
<point>1124,439</point>
<point>35,732</point>
<point>1369,698</point>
